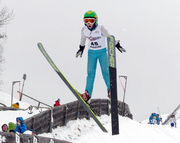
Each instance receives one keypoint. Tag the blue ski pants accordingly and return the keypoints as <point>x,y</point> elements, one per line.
<point>93,57</point>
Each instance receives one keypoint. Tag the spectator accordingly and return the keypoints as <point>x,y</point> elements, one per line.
<point>152,119</point>
<point>158,119</point>
<point>57,102</point>
<point>173,121</point>
<point>4,128</point>
<point>30,132</point>
<point>33,132</point>
<point>20,126</point>
<point>12,127</point>
<point>15,105</point>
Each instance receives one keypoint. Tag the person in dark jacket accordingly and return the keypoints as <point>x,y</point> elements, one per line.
<point>20,126</point>
<point>57,102</point>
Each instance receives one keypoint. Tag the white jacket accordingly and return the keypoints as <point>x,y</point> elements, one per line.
<point>96,37</point>
<point>172,120</point>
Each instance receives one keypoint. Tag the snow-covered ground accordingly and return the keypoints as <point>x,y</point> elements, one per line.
<point>10,116</point>
<point>83,130</point>
<point>80,131</point>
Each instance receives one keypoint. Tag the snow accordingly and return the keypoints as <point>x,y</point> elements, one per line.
<point>130,131</point>
<point>9,115</point>
<point>83,130</point>
<point>6,99</point>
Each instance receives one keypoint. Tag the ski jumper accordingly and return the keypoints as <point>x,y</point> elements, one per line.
<point>97,51</point>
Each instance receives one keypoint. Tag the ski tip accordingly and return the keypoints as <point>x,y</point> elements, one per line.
<point>38,43</point>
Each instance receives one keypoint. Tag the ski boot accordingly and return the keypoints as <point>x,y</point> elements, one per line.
<point>86,97</point>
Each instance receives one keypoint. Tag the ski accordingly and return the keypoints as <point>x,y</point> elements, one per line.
<point>83,103</point>
<point>113,84</point>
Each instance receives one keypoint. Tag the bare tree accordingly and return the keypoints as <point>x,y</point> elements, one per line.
<point>5,17</point>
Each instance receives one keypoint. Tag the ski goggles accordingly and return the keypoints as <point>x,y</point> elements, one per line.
<point>89,20</point>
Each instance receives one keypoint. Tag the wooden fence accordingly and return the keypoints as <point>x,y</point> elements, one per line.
<point>59,116</point>
<point>6,137</point>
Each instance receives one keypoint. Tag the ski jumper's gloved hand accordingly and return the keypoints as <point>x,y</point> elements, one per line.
<point>119,47</point>
<point>80,51</point>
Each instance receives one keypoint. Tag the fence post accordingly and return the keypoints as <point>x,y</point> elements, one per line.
<point>65,115</point>
<point>51,122</point>
<point>17,139</point>
<point>78,110</point>
<point>88,113</point>
<point>51,141</point>
<point>34,139</point>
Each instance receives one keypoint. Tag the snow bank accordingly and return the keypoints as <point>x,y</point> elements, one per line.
<point>80,131</point>
<point>6,99</point>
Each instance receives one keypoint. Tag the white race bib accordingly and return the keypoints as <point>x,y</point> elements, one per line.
<point>95,38</point>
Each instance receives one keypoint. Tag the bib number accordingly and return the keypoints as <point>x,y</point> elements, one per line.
<point>94,43</point>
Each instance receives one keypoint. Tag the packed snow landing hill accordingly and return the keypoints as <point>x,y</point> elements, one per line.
<point>86,131</point>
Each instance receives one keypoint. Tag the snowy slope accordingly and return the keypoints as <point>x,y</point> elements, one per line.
<point>80,131</point>
<point>6,99</point>
<point>10,116</point>
<point>177,114</point>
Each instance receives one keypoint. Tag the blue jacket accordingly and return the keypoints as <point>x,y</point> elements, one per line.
<point>22,127</point>
<point>152,115</point>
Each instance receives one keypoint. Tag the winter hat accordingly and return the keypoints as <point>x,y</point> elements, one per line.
<point>58,98</point>
<point>12,126</point>
<point>32,130</point>
<point>20,118</point>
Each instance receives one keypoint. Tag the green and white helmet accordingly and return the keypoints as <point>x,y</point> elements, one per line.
<point>91,14</point>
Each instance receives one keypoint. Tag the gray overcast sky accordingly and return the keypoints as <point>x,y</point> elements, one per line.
<point>148,30</point>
